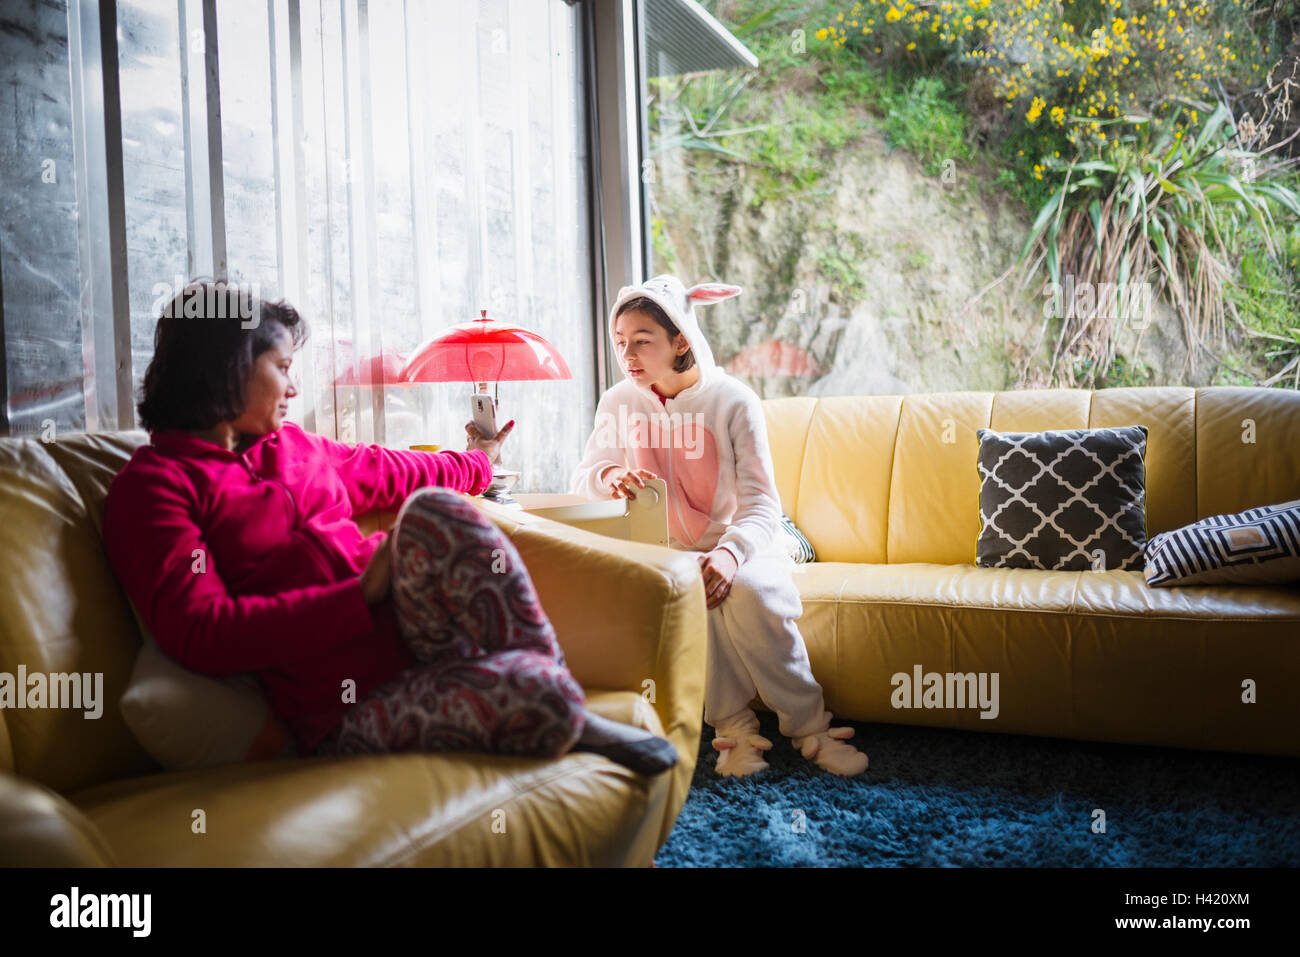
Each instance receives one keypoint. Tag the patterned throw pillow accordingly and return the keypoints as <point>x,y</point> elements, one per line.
<point>795,542</point>
<point>1260,546</point>
<point>1069,500</point>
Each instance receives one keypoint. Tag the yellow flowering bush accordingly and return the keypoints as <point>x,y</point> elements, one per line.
<point>1073,66</point>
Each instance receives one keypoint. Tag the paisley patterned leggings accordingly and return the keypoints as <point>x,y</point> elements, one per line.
<point>491,676</point>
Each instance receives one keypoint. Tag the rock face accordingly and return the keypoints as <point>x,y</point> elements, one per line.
<point>867,283</point>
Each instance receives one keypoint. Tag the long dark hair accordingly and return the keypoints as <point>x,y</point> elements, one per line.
<point>656,312</point>
<point>204,346</point>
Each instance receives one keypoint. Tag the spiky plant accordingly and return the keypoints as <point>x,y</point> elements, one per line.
<point>1150,209</point>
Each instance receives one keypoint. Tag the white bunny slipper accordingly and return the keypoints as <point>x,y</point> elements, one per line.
<point>828,751</point>
<point>739,746</point>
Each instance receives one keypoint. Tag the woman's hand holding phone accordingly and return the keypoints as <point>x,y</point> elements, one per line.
<point>489,444</point>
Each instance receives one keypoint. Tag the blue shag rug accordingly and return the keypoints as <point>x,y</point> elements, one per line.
<point>944,798</point>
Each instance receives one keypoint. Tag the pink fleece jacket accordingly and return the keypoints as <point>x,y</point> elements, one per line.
<point>249,562</point>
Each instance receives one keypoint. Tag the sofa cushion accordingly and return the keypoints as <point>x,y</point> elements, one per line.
<point>1258,546</point>
<point>1090,655</point>
<point>933,513</point>
<point>1169,414</point>
<point>449,809</point>
<point>63,612</point>
<point>1062,499</point>
<point>1246,450</point>
<point>887,478</point>
<point>841,497</point>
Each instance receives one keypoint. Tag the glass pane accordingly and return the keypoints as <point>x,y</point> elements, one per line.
<point>39,246</point>
<point>394,319</point>
<point>701,224</point>
<point>247,144</point>
<point>443,172</point>
<point>329,267</point>
<point>153,160</point>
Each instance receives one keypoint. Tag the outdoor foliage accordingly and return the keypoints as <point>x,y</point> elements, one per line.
<point>1155,207</point>
<point>1112,120</point>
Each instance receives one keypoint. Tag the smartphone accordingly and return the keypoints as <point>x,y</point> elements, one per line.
<point>485,418</point>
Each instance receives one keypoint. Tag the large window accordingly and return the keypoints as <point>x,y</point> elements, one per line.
<point>390,167</point>
<point>871,175</point>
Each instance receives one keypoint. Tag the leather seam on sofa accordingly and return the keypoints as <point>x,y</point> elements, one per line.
<point>1196,455</point>
<point>93,837</point>
<point>972,606</point>
<point>677,590</point>
<point>893,457</point>
<point>1074,596</point>
<point>803,455</point>
<point>839,608</point>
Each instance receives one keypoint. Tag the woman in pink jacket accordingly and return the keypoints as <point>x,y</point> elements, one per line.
<point>232,534</point>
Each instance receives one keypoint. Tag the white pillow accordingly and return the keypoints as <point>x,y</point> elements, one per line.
<point>186,720</point>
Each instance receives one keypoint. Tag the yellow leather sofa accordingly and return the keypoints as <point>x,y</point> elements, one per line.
<point>886,490</point>
<point>77,792</point>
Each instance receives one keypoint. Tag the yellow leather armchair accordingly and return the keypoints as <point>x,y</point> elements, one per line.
<point>887,492</point>
<point>630,618</point>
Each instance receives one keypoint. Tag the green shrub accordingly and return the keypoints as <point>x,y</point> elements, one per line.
<point>925,119</point>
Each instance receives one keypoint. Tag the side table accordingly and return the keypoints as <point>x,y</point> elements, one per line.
<point>644,519</point>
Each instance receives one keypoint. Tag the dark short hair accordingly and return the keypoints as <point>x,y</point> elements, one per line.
<point>656,312</point>
<point>204,347</point>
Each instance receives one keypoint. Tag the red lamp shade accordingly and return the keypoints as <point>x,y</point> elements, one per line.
<point>485,350</point>
<point>383,369</point>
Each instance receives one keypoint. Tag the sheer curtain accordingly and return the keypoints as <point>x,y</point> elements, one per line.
<point>391,167</point>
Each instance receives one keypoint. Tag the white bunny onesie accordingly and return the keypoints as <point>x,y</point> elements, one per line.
<point>709,442</point>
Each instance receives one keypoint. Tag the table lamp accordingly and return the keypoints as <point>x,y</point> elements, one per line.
<point>480,351</point>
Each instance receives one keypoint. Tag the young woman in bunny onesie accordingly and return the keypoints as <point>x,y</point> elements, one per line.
<point>678,416</point>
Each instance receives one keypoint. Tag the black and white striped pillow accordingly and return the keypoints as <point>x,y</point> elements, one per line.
<point>795,542</point>
<point>1260,546</point>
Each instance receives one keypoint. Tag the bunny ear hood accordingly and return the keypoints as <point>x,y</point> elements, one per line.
<point>679,303</point>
